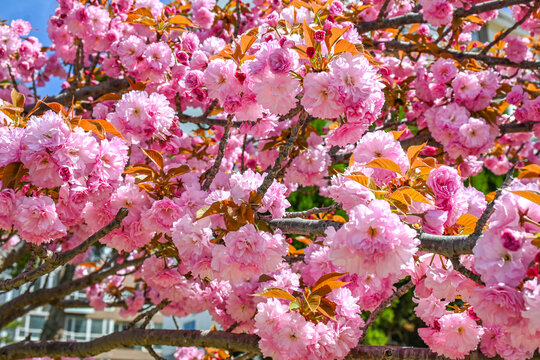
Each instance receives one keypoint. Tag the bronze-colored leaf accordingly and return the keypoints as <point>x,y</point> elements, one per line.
<point>276,293</point>
<point>155,156</point>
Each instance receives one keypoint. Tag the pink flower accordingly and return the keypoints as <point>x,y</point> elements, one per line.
<point>444,70</point>
<point>277,92</point>
<point>515,96</point>
<point>445,182</point>
<point>373,241</point>
<point>7,202</point>
<point>36,220</point>
<point>319,35</point>
<point>379,144</point>
<point>498,305</point>
<point>466,86</point>
<point>189,353</point>
<point>320,98</point>
<point>281,60</point>
<point>437,12</point>
<point>10,144</point>
<point>430,309</point>
<point>139,115</point>
<point>336,8</point>
<point>516,49</point>
<point>454,335</point>
<point>248,253</point>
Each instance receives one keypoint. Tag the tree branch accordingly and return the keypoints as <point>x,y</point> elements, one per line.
<point>508,31</point>
<point>459,55</point>
<point>375,313</point>
<point>59,259</point>
<point>447,245</point>
<point>247,343</point>
<point>94,91</point>
<point>211,174</point>
<point>20,305</point>
<point>13,255</point>
<point>283,154</point>
<point>413,18</point>
<point>295,214</point>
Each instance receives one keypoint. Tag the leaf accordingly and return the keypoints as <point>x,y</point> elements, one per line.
<point>276,293</point>
<point>327,283</point>
<point>155,156</point>
<point>89,126</point>
<point>12,174</point>
<point>363,180</point>
<point>343,46</point>
<point>109,97</point>
<point>397,134</point>
<point>335,34</point>
<point>327,308</point>
<point>413,151</point>
<point>309,34</point>
<point>181,20</point>
<point>293,305</point>
<point>246,41</point>
<point>414,195</point>
<point>140,169</point>
<point>383,163</point>
<point>313,302</point>
<point>328,277</point>
<point>265,278</point>
<point>108,127</point>
<point>531,195</point>
<point>57,108</point>
<point>17,99</point>
<point>201,212</point>
<point>475,19</point>
<point>180,170</point>
<point>530,171</point>
<point>468,222</point>
<point>414,28</point>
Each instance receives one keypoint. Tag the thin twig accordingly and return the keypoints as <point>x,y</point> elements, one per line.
<point>508,31</point>
<point>284,153</point>
<point>153,353</point>
<point>211,173</point>
<point>13,80</point>
<point>375,313</point>
<point>383,10</point>
<point>153,312</point>
<point>305,213</point>
<point>458,266</point>
<point>482,221</point>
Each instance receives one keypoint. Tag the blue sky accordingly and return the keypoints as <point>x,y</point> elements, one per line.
<point>37,12</point>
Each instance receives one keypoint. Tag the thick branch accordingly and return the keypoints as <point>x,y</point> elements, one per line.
<point>59,259</point>
<point>128,338</point>
<point>13,255</point>
<point>459,55</point>
<point>413,18</point>
<point>20,305</point>
<point>447,245</point>
<point>94,91</point>
<point>209,121</point>
<point>182,338</point>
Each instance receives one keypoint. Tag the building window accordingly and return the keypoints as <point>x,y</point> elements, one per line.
<point>189,325</point>
<point>37,323</point>
<point>76,328</point>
